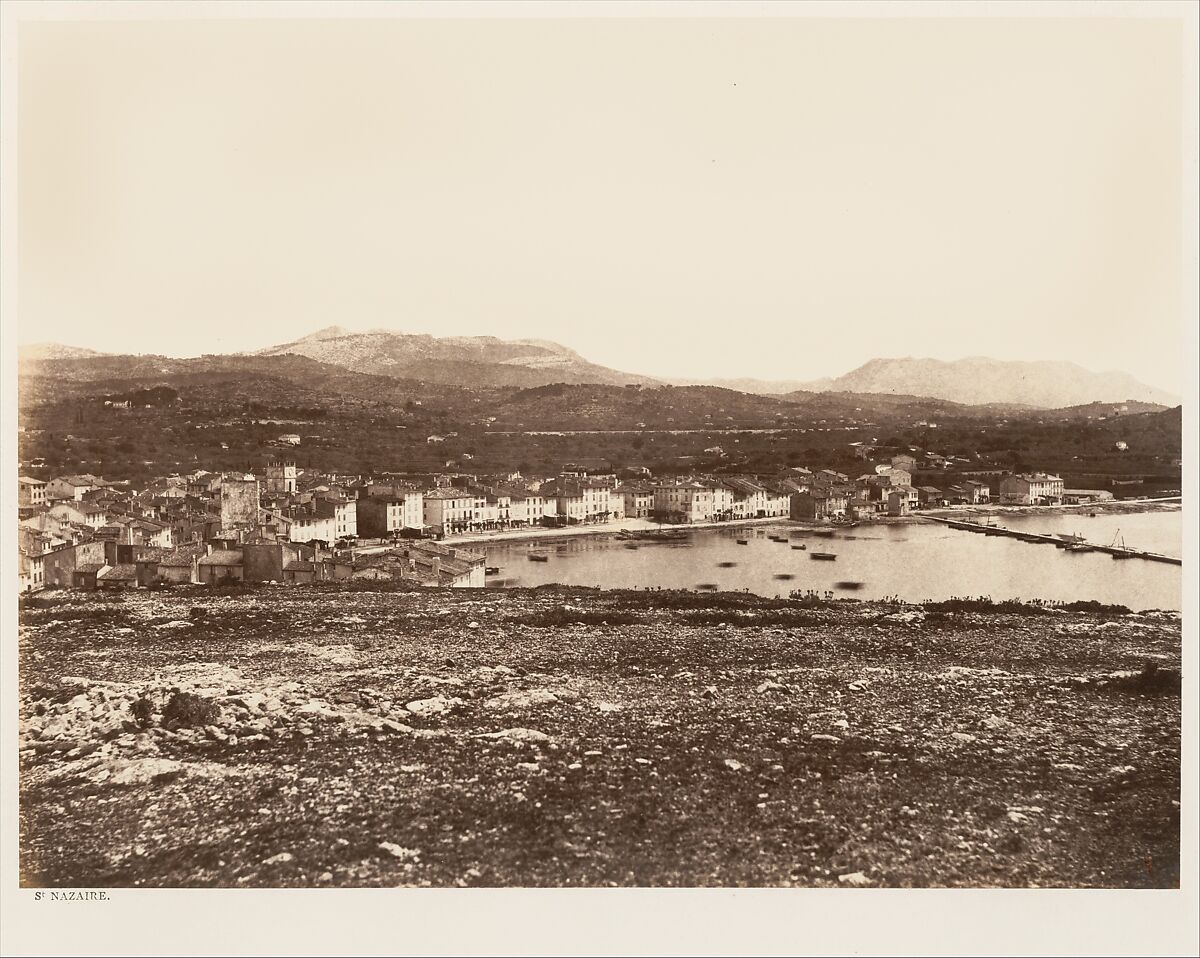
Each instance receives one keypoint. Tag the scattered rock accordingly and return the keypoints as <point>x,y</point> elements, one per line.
<point>279,859</point>
<point>144,771</point>
<point>438,705</point>
<point>398,851</point>
<point>522,735</point>
<point>854,880</point>
<point>522,699</point>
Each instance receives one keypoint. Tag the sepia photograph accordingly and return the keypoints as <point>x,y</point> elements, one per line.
<point>519,447</point>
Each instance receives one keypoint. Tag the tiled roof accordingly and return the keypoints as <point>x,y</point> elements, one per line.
<point>122,572</point>
<point>222,557</point>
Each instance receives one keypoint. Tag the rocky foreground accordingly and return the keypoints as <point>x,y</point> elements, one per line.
<point>345,737</point>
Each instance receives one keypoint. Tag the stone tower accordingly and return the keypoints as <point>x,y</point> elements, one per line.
<point>239,503</point>
<point>281,477</point>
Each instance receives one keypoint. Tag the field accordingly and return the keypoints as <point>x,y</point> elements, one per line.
<point>343,736</point>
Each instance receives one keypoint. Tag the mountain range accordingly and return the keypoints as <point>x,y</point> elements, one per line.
<point>489,363</point>
<point>472,361</point>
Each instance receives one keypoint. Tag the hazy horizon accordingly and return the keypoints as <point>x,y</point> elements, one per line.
<point>731,376</point>
<point>778,199</point>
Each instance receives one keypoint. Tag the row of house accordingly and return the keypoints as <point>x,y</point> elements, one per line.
<point>285,524</point>
<point>105,565</point>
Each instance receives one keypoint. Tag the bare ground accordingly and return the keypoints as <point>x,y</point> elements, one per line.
<point>573,737</point>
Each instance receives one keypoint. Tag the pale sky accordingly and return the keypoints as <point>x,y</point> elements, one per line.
<point>767,198</point>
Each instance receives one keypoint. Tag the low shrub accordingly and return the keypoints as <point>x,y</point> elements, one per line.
<point>185,710</point>
<point>142,711</point>
<point>1151,680</point>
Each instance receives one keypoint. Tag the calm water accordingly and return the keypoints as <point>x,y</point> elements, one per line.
<point>914,561</point>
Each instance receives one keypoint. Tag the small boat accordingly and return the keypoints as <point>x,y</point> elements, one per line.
<point>707,586</point>
<point>825,556</point>
<point>653,535</point>
<point>743,542</point>
<point>801,547</point>
<point>726,565</point>
<point>852,586</point>
<point>1078,547</point>
<point>784,576</point>
<point>1123,551</point>
<point>631,545</point>
<point>534,557</point>
<point>1070,537</point>
<point>492,570</point>
<point>824,533</point>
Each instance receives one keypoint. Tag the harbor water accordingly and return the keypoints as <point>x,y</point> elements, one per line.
<point>912,560</point>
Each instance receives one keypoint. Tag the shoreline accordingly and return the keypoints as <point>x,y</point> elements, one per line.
<point>1115,506</point>
<point>641,525</point>
<point>607,528</point>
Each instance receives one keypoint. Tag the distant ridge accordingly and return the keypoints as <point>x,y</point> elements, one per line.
<point>471,361</point>
<point>978,380</point>
<point>44,351</point>
<point>487,362</point>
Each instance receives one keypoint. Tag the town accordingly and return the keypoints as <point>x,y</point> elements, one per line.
<point>289,525</point>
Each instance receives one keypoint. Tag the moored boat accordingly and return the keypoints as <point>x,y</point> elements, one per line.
<point>825,556</point>
<point>1122,551</point>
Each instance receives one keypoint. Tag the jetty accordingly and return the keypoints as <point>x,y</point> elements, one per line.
<point>967,525</point>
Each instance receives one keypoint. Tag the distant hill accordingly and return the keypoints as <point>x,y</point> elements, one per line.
<point>861,406</point>
<point>1106,410</point>
<point>41,351</point>
<point>487,364</point>
<point>272,379</point>
<point>978,380</point>
<point>597,406</point>
<point>471,361</point>
<point>763,387</point>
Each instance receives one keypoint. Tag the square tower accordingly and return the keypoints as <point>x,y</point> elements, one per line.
<point>281,477</point>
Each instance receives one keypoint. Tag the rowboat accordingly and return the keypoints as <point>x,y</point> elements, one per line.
<point>534,557</point>
<point>743,542</point>
<point>826,556</point>
<point>801,547</point>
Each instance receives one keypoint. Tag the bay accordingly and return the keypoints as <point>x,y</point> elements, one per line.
<point>911,560</point>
